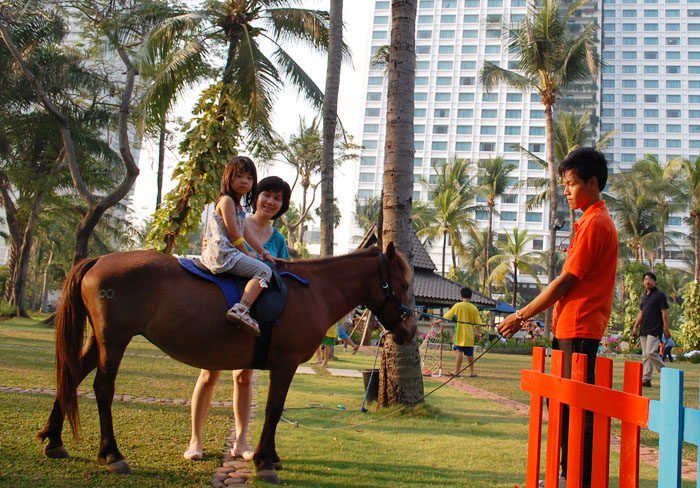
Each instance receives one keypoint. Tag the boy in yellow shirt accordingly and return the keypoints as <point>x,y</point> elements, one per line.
<point>467,316</point>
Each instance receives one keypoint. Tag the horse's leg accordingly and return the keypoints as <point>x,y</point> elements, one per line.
<point>54,426</point>
<point>265,454</point>
<point>104,393</point>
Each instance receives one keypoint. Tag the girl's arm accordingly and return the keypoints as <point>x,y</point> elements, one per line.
<point>255,245</point>
<point>227,209</point>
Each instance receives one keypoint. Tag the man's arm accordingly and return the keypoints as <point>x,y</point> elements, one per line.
<point>549,296</point>
<point>664,316</point>
<point>636,323</point>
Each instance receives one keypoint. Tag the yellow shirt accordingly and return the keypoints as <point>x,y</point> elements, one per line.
<point>331,332</point>
<point>465,312</point>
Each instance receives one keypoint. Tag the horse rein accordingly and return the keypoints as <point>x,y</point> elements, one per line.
<point>389,295</point>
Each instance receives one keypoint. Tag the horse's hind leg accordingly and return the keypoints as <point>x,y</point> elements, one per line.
<point>104,392</point>
<point>54,426</point>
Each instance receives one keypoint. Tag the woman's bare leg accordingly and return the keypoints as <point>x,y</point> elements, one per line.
<point>201,398</point>
<point>242,400</point>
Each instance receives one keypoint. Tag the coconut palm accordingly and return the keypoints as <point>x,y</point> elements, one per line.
<point>663,186</point>
<point>635,211</point>
<point>451,197</point>
<point>513,256</point>
<point>330,118</point>
<point>423,217</point>
<point>493,180</point>
<point>550,58</point>
<point>689,171</point>
<point>472,254</point>
<point>400,376</point>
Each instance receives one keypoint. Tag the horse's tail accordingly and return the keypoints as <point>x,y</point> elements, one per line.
<point>70,329</point>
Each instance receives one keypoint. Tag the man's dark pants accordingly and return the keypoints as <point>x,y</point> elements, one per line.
<point>589,347</point>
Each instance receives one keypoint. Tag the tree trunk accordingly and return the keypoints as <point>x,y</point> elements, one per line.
<point>515,283</point>
<point>444,249</point>
<point>400,379</point>
<point>330,117</point>
<point>38,254</point>
<point>45,285</point>
<point>161,163</point>
<point>551,267</point>
<point>19,290</point>
<point>489,238</point>
<point>696,221</point>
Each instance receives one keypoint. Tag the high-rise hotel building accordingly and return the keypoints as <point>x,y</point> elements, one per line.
<point>649,91</point>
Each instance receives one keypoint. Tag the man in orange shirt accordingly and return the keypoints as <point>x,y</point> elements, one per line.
<point>582,295</point>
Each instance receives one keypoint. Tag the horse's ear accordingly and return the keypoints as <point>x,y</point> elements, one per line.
<point>390,250</point>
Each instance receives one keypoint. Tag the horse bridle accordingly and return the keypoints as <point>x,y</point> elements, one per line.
<point>389,295</point>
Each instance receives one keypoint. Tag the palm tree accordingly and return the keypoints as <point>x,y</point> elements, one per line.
<point>451,198</point>
<point>635,211</point>
<point>400,372</point>
<point>663,186</point>
<point>493,181</point>
<point>423,218</point>
<point>689,170</point>
<point>330,117</point>
<point>472,254</point>
<point>550,58</point>
<point>241,102</point>
<point>514,257</point>
<point>367,212</point>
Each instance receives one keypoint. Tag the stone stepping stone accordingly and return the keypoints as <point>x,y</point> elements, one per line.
<point>345,373</point>
<point>305,370</point>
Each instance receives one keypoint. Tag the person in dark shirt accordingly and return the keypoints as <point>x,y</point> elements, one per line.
<point>653,316</point>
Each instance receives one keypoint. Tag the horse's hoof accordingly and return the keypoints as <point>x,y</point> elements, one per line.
<point>59,452</point>
<point>268,476</point>
<point>119,467</point>
<point>278,466</point>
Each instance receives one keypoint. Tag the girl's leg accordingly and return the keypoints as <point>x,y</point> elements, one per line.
<point>260,274</point>
<point>326,355</point>
<point>319,355</point>
<point>251,292</point>
<point>242,399</point>
<point>201,398</point>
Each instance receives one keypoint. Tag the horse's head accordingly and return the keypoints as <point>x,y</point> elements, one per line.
<point>390,302</point>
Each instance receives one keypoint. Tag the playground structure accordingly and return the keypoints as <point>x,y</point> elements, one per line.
<point>674,423</point>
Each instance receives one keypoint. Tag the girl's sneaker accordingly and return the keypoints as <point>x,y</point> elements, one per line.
<point>239,315</point>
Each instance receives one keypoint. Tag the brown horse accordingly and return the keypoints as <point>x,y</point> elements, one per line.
<point>148,293</point>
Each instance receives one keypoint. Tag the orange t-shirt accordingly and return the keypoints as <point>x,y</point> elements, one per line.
<point>592,257</point>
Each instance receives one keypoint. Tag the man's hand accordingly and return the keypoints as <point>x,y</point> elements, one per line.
<point>667,333</point>
<point>510,326</point>
<point>634,331</point>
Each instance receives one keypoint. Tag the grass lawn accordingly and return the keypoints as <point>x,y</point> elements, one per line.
<point>454,440</point>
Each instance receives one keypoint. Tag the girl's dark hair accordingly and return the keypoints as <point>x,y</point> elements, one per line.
<point>244,164</point>
<point>274,184</point>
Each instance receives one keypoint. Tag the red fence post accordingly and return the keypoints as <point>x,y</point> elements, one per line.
<point>600,473</point>
<point>574,464</point>
<point>629,433</point>
<point>554,427</point>
<point>534,438</point>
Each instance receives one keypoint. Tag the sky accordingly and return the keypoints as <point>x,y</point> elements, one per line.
<point>288,109</point>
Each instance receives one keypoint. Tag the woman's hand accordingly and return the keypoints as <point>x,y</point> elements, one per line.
<point>267,256</point>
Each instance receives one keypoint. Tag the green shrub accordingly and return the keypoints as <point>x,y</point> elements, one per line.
<point>7,310</point>
<point>695,359</point>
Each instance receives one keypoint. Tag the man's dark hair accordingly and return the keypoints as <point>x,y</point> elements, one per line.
<point>649,273</point>
<point>466,292</point>
<point>586,163</point>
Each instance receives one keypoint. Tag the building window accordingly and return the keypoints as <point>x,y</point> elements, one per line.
<point>471,19</point>
<point>488,113</point>
<point>468,65</point>
<point>514,97</point>
<point>381,19</point>
<point>488,130</point>
<point>629,13</point>
<point>422,49</point>
<point>629,27</point>
<point>446,49</point>
<point>465,113</point>
<point>537,114</point>
<point>422,65</point>
<point>509,216</point>
<point>418,129</point>
<point>421,80</point>
<point>468,49</point>
<point>487,146</point>
<point>424,34</point>
<point>371,112</point>
<point>536,147</point>
<point>513,114</point>
<point>673,99</point>
<point>463,146</point>
<point>628,128</point>
<point>443,97</point>
<point>379,35</point>
<point>371,128</point>
<point>651,70</point>
<point>374,96</point>
<point>673,114</point>
<point>447,34</point>
<point>366,177</point>
<point>673,83</point>
<point>420,96</point>
<point>368,161</point>
<point>470,34</point>
<point>673,41</point>
<point>369,144</point>
<point>651,83</point>
<point>441,129</point>
<point>628,142</point>
<point>651,112</point>
<point>537,131</point>
<point>533,217</point>
<point>510,147</point>
<point>629,41</point>
<point>489,97</point>
<point>464,129</point>
<point>673,143</point>
<point>673,128</point>
<point>651,55</point>
<point>363,194</point>
<point>629,112</point>
<point>418,112</point>
<point>651,127</point>
<point>482,215</point>
<point>439,146</point>
<point>443,80</point>
<point>651,27</point>
<point>651,13</point>
<point>512,130</point>
<point>629,98</point>
<point>651,143</point>
<point>467,81</point>
<point>448,19</point>
<point>375,80</point>
<point>509,198</point>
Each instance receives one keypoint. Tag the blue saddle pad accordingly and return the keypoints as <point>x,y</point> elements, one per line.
<point>225,281</point>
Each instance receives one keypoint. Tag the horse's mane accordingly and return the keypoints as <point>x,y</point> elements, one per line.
<point>370,251</point>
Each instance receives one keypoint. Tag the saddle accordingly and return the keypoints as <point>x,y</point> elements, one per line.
<point>266,309</point>
<point>268,306</point>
